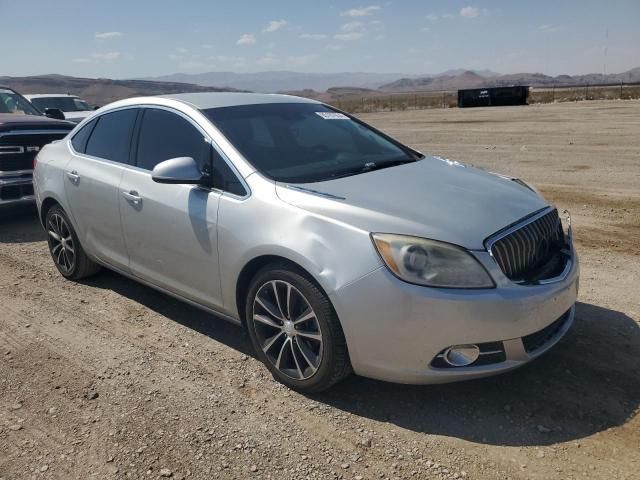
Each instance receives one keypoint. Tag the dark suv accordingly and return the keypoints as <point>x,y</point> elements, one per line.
<point>24,130</point>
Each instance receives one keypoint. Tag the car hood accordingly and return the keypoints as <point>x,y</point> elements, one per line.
<point>17,120</point>
<point>432,198</point>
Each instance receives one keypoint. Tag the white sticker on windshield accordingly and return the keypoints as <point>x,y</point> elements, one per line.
<point>332,115</point>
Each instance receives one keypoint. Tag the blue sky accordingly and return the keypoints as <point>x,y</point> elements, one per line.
<point>119,39</point>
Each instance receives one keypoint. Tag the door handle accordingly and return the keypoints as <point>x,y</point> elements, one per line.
<point>73,176</point>
<point>132,197</point>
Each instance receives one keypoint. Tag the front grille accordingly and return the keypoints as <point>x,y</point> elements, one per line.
<point>533,251</point>
<point>537,340</point>
<point>19,148</point>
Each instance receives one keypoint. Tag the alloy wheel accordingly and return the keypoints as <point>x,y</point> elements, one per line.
<point>287,329</point>
<point>61,243</point>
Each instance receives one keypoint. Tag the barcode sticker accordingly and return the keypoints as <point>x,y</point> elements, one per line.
<point>332,115</point>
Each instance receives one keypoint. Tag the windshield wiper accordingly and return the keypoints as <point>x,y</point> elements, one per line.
<point>371,166</point>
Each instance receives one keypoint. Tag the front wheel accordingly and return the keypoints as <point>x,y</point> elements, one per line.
<point>295,331</point>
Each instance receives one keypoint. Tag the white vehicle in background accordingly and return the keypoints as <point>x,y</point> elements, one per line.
<point>74,108</point>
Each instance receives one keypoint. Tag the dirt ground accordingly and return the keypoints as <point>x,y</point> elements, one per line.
<point>109,379</point>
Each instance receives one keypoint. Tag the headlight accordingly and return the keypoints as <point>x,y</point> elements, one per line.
<point>431,263</point>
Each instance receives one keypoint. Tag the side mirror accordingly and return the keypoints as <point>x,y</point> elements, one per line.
<point>96,107</point>
<point>54,113</point>
<point>183,170</point>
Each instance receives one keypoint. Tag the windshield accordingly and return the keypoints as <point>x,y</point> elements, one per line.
<point>304,142</point>
<point>11,102</point>
<point>66,104</point>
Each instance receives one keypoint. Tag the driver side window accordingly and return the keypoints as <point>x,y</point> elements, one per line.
<point>164,135</point>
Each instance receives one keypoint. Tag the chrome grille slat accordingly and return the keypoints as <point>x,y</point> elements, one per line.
<point>524,247</point>
<point>533,236</point>
<point>526,233</point>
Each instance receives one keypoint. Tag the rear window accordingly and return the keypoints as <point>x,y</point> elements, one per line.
<point>111,136</point>
<point>66,104</point>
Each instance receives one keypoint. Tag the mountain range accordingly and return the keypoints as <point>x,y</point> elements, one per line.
<point>100,91</point>
<point>470,79</point>
<point>323,86</point>
<point>285,81</point>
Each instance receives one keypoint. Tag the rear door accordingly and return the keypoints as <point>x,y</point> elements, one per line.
<point>92,178</point>
<point>170,230</point>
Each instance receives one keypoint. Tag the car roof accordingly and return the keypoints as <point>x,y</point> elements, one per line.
<point>47,95</point>
<point>206,100</point>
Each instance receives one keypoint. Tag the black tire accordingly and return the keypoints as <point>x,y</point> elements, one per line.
<point>81,266</point>
<point>334,364</point>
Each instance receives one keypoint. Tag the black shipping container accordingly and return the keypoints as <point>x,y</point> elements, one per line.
<point>493,97</point>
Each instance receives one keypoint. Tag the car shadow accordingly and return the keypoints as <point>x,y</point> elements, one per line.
<point>587,383</point>
<point>215,327</point>
<point>20,225</point>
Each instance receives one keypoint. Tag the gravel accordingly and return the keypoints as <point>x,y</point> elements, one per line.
<point>133,384</point>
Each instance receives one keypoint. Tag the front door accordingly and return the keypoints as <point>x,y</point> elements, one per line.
<point>171,230</point>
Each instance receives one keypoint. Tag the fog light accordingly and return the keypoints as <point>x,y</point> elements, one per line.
<point>461,355</point>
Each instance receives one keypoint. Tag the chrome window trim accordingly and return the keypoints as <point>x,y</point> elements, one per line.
<point>100,160</point>
<point>491,240</point>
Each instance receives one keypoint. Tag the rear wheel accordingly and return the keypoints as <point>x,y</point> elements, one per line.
<point>295,331</point>
<point>65,249</point>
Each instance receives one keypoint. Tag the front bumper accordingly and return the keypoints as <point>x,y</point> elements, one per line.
<point>16,189</point>
<point>395,330</point>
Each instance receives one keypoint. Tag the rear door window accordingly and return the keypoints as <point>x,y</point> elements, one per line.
<point>111,137</point>
<point>79,140</point>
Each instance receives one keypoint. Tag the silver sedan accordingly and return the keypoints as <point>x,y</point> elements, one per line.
<point>338,248</point>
